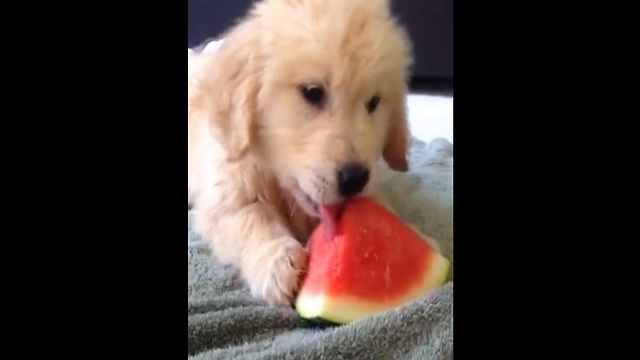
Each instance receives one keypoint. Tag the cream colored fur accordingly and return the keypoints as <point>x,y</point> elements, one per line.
<point>257,149</point>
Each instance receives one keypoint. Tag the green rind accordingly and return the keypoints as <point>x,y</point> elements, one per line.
<point>305,313</point>
<point>445,271</point>
<point>317,318</point>
<point>322,321</point>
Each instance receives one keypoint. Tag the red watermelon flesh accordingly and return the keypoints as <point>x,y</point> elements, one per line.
<point>364,262</point>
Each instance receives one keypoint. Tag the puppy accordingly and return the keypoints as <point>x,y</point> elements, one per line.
<point>293,113</point>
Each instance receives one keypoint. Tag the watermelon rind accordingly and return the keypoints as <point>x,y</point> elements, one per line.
<point>343,309</point>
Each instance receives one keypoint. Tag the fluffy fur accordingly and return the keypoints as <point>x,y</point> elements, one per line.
<point>261,157</point>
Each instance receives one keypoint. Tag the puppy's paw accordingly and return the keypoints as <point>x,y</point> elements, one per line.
<point>275,272</point>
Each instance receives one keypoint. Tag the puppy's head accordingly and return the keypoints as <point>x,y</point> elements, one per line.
<point>316,90</point>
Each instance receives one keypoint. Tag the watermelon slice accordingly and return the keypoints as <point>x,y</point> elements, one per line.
<point>364,262</point>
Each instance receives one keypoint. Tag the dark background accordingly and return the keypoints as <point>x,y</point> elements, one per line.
<point>429,23</point>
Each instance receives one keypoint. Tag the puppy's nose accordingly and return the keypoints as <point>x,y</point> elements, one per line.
<point>352,178</point>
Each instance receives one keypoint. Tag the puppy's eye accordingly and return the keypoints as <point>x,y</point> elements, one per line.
<point>313,94</point>
<point>372,104</point>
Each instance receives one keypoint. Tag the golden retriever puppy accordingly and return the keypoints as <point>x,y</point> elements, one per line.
<point>292,114</point>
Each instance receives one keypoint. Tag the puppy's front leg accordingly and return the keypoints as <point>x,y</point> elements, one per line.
<point>256,240</point>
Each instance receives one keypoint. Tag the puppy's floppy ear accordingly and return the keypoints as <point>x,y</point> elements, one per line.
<point>234,90</point>
<point>397,140</point>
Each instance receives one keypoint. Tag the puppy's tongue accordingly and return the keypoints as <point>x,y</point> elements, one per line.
<point>329,215</point>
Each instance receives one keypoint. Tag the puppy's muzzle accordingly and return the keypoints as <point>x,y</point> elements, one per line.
<point>352,178</point>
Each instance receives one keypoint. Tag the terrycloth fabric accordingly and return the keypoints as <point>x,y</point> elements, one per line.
<point>225,322</point>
